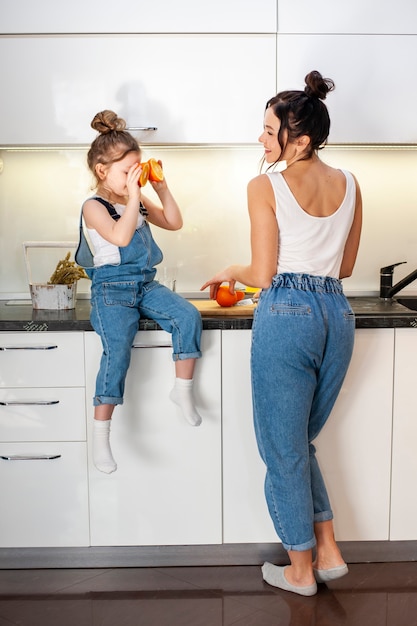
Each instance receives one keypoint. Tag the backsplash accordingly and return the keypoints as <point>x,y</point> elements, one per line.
<point>41,192</point>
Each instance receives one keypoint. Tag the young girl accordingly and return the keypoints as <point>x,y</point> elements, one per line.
<point>123,287</point>
<point>305,230</point>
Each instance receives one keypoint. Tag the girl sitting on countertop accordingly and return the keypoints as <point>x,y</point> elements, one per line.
<point>123,287</point>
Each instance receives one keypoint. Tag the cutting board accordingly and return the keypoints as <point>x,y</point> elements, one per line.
<point>210,308</point>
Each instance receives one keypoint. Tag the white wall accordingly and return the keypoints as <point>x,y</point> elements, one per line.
<point>41,194</point>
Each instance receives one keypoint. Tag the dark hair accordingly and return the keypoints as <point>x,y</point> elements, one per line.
<point>113,142</point>
<point>304,113</point>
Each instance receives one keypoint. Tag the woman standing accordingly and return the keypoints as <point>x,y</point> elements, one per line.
<point>305,229</point>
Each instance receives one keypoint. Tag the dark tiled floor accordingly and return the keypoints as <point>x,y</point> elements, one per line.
<point>381,594</point>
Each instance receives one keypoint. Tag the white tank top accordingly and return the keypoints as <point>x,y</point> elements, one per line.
<point>309,244</point>
<point>104,252</point>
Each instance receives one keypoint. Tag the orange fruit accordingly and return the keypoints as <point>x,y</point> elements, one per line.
<point>144,175</point>
<point>155,171</point>
<point>225,298</point>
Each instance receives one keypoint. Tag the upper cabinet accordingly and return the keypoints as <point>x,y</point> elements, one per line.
<point>138,16</point>
<point>190,88</point>
<point>376,95</point>
<point>355,16</point>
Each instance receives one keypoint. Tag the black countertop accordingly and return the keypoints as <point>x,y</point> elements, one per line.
<point>370,312</point>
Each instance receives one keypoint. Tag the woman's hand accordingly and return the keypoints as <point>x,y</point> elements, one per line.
<point>215,282</point>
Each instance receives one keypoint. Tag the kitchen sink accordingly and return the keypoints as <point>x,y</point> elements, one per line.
<point>409,301</point>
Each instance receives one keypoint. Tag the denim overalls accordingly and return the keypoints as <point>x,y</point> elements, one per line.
<point>302,342</point>
<point>120,295</point>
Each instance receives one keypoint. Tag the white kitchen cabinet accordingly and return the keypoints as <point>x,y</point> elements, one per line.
<point>43,450</point>
<point>133,16</point>
<point>191,88</point>
<point>167,486</point>
<point>364,107</point>
<point>245,513</point>
<point>370,17</point>
<point>404,446</point>
<point>43,494</point>
<point>354,449</point>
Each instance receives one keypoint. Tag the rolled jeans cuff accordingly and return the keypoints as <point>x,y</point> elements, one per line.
<point>184,355</point>
<point>323,516</point>
<point>99,400</point>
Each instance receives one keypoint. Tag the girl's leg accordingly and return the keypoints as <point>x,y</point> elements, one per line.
<point>180,318</point>
<point>182,393</point>
<point>102,454</point>
<point>116,324</point>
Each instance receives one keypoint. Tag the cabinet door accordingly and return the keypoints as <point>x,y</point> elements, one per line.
<point>404,448</point>
<point>44,495</point>
<point>167,487</point>
<point>364,107</point>
<point>245,513</point>
<point>181,16</point>
<point>353,449</point>
<point>372,16</point>
<point>191,88</point>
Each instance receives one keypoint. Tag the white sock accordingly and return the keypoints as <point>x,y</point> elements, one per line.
<point>182,395</point>
<point>102,456</point>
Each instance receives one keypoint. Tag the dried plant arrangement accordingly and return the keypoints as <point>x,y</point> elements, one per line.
<point>66,272</point>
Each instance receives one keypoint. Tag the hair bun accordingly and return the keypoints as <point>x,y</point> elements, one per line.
<point>107,122</point>
<point>317,86</point>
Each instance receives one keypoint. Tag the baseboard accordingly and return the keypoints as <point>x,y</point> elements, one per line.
<point>201,555</point>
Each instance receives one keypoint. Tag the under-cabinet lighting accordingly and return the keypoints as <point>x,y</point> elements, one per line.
<point>209,147</point>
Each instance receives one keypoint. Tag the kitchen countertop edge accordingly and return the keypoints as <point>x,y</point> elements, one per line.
<point>370,312</point>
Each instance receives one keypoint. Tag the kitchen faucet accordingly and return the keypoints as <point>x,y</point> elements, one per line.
<point>386,288</point>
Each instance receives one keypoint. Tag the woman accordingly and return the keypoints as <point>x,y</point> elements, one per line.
<point>305,229</point>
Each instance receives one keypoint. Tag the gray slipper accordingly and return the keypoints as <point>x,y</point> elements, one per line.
<point>326,575</point>
<point>274,575</point>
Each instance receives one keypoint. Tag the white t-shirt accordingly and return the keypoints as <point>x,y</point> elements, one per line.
<point>309,244</point>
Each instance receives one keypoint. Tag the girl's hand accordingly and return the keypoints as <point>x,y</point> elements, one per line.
<point>159,185</point>
<point>132,181</point>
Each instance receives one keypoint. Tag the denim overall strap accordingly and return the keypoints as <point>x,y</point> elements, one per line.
<point>83,255</point>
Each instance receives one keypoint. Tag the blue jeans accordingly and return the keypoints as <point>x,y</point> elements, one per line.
<point>302,342</point>
<point>120,295</point>
<point>116,310</point>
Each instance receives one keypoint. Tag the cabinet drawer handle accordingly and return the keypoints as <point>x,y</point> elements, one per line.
<point>130,128</point>
<point>28,402</point>
<point>145,345</point>
<point>4,348</point>
<point>27,457</point>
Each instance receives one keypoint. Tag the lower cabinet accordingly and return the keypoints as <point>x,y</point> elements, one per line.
<point>354,448</point>
<point>167,487</point>
<point>179,485</point>
<point>245,514</point>
<point>44,495</point>
<point>404,443</point>
<point>43,449</point>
